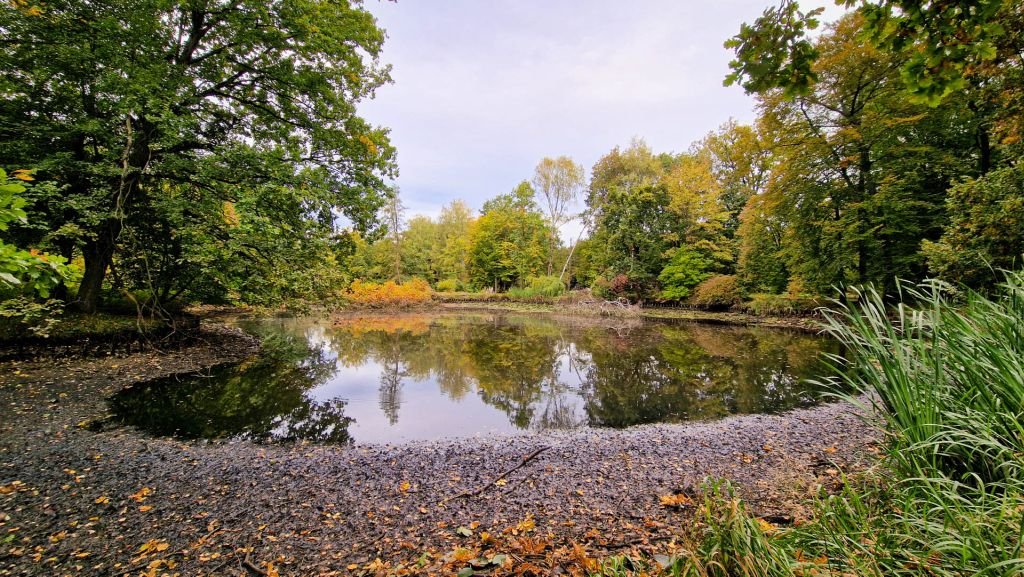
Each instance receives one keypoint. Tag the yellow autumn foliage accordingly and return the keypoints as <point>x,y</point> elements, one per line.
<point>389,294</point>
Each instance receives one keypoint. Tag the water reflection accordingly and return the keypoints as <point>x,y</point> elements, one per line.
<point>262,399</point>
<point>419,376</point>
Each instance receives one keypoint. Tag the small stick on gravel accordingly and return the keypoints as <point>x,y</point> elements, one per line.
<point>249,565</point>
<point>485,486</point>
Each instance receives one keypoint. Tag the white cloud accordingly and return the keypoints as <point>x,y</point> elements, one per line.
<point>484,90</point>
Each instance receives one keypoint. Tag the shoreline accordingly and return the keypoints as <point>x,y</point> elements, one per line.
<point>87,502</point>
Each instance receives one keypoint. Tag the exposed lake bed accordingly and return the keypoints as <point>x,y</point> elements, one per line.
<point>317,508</point>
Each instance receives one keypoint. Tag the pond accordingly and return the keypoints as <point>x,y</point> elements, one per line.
<point>399,378</point>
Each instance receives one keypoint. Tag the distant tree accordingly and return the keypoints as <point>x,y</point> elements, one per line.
<point>454,227</point>
<point>421,248</point>
<point>559,181</point>
<point>510,240</point>
<point>394,212</point>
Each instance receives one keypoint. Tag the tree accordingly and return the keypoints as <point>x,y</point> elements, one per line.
<point>112,99</point>
<point>985,232</point>
<point>695,199</point>
<point>741,163</point>
<point>393,212</point>
<point>510,240</point>
<point>421,247</point>
<point>685,270</point>
<point>938,43</point>
<point>454,227</point>
<point>560,181</point>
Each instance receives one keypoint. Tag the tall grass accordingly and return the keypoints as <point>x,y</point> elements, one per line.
<point>947,378</point>
<point>944,376</point>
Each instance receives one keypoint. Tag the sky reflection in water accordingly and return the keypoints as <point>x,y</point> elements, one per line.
<point>407,377</point>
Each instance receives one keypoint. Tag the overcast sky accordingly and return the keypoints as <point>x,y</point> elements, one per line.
<point>484,89</point>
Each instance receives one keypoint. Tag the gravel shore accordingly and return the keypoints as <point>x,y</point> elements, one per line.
<point>77,499</point>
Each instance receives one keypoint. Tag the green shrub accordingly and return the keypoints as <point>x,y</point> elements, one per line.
<point>539,286</point>
<point>448,285</point>
<point>685,270</point>
<point>718,292</point>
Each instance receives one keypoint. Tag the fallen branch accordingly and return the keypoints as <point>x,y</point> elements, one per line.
<point>249,565</point>
<point>485,486</point>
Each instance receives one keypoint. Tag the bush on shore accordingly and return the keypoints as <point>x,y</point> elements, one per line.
<point>414,292</point>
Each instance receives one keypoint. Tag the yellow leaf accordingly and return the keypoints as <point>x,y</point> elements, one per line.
<point>526,525</point>
<point>140,495</point>
<point>767,527</point>
<point>271,570</point>
<point>145,508</point>
<point>405,486</point>
<point>501,482</point>
<point>21,173</point>
<point>102,500</point>
<point>675,500</point>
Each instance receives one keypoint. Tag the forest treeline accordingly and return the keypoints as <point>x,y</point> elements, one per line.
<point>854,181</point>
<point>194,154</point>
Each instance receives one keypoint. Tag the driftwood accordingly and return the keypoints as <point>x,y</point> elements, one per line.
<point>485,486</point>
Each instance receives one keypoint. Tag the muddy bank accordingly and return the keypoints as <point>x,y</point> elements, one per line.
<point>113,502</point>
<point>801,323</point>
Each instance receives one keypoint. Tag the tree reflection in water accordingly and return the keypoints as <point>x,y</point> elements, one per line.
<point>511,371</point>
<point>262,399</point>
<point>558,374</point>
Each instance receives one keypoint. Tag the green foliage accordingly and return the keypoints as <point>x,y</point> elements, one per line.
<point>938,44</point>
<point>774,52</point>
<point>124,104</point>
<point>539,286</point>
<point>685,270</point>
<point>448,285</point>
<point>20,316</point>
<point>22,270</point>
<point>509,241</point>
<point>985,230</point>
<point>717,292</point>
<point>941,42</point>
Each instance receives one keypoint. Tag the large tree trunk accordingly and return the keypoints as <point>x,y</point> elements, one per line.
<point>98,255</point>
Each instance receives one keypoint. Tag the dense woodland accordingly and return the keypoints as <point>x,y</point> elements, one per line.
<point>209,153</point>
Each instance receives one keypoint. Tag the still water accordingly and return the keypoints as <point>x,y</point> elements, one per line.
<point>397,378</point>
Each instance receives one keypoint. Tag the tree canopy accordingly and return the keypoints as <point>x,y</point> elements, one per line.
<point>133,106</point>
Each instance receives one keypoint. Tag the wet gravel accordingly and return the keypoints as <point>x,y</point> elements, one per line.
<point>82,499</point>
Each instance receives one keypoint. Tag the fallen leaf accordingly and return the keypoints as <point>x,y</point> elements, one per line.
<point>675,500</point>
<point>140,495</point>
